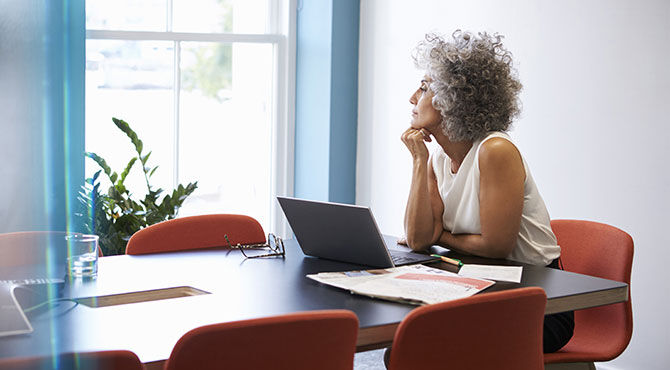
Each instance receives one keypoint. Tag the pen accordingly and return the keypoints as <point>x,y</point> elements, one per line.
<point>453,261</point>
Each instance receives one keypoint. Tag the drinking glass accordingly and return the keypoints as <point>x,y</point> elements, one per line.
<point>82,252</point>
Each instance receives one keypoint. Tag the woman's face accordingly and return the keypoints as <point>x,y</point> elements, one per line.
<point>424,115</point>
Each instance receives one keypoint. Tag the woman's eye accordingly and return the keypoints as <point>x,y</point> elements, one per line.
<point>423,88</point>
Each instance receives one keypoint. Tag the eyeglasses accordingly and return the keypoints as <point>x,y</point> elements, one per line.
<point>274,244</point>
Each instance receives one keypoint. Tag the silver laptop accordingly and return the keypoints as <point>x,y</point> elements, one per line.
<point>344,232</point>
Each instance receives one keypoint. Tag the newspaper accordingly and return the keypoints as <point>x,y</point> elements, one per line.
<point>414,284</point>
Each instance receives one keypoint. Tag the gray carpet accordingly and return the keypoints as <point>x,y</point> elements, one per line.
<point>370,360</point>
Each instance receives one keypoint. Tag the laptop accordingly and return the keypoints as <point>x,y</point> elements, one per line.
<point>33,270</point>
<point>345,233</point>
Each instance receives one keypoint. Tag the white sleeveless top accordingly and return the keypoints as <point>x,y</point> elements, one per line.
<point>536,243</point>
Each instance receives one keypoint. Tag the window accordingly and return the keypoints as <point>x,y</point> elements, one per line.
<point>207,86</point>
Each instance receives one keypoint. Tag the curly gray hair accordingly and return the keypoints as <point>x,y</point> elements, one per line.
<point>474,83</point>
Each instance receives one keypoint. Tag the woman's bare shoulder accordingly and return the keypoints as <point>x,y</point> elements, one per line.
<point>498,151</point>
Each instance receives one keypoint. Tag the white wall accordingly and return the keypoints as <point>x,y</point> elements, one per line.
<point>594,127</point>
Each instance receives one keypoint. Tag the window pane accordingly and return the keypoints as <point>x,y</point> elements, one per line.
<point>133,81</point>
<point>126,15</point>
<point>225,128</point>
<point>217,16</point>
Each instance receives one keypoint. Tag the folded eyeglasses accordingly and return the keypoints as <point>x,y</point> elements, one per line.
<point>274,244</point>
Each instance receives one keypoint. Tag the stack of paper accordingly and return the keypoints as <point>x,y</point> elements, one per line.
<point>499,273</point>
<point>415,284</point>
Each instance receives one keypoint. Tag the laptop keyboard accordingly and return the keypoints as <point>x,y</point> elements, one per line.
<point>399,259</point>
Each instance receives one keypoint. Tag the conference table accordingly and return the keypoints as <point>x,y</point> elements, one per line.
<point>146,303</point>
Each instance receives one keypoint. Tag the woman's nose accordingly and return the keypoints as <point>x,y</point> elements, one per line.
<point>412,99</point>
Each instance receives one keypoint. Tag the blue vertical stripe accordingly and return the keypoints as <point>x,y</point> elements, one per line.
<point>312,127</point>
<point>63,116</point>
<point>326,99</point>
<point>42,64</point>
<point>344,102</point>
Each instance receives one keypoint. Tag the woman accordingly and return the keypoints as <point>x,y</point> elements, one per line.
<point>474,193</point>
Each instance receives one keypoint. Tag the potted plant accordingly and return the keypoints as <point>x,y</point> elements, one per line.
<point>115,216</point>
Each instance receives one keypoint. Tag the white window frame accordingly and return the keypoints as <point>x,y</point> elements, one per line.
<point>282,36</point>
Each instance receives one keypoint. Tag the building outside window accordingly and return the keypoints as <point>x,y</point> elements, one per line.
<point>207,86</point>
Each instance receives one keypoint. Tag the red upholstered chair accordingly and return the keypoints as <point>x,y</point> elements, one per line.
<point>499,330</point>
<point>324,340</point>
<point>591,248</point>
<point>105,360</point>
<point>196,232</point>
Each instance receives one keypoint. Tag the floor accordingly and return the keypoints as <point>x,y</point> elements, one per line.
<point>370,360</point>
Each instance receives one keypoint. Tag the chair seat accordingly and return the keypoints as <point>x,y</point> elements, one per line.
<point>596,249</point>
<point>587,344</point>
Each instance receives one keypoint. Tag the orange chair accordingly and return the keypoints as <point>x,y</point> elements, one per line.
<point>499,330</point>
<point>196,232</point>
<point>105,360</point>
<point>591,248</point>
<point>322,340</point>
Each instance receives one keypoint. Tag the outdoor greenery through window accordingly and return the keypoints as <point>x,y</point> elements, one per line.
<point>197,81</point>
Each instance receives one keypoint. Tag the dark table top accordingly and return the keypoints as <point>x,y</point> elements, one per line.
<point>242,289</point>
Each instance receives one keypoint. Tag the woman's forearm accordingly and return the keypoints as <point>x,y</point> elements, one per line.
<point>475,244</point>
<point>419,223</point>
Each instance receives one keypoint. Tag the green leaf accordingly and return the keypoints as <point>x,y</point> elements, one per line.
<point>120,188</point>
<point>145,158</point>
<point>95,177</point>
<point>152,171</point>
<point>124,174</point>
<point>125,127</point>
<point>100,161</point>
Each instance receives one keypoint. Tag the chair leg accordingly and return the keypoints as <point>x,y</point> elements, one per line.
<point>570,366</point>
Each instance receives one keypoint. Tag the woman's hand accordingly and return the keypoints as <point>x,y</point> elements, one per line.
<point>423,213</point>
<point>414,140</point>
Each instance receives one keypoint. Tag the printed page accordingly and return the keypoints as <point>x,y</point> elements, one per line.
<point>349,279</point>
<point>499,273</point>
<point>423,287</point>
<point>414,284</point>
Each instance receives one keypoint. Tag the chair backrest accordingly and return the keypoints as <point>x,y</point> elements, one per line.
<point>594,249</point>
<point>604,251</point>
<point>196,232</point>
<point>105,360</point>
<point>308,340</point>
<point>499,330</point>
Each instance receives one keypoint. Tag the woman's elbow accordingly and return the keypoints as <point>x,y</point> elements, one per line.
<point>500,250</point>
<point>417,244</point>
